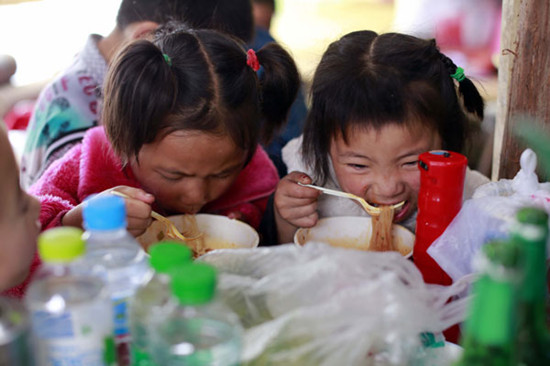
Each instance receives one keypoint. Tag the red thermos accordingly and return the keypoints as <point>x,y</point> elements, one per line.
<point>439,200</point>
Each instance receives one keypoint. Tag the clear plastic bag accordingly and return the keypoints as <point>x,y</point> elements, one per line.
<point>321,305</point>
<point>488,215</point>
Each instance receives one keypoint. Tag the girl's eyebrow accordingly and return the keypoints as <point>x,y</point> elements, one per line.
<point>412,152</point>
<point>170,171</point>
<point>351,154</point>
<point>230,168</point>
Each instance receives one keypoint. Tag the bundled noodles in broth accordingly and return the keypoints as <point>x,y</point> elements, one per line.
<point>191,231</point>
<point>381,238</point>
<point>200,242</point>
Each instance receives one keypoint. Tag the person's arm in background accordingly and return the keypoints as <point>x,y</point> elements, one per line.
<point>57,189</point>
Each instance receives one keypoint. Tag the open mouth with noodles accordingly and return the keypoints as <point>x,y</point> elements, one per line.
<point>398,213</point>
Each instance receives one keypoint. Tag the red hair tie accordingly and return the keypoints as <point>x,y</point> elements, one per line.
<point>252,60</point>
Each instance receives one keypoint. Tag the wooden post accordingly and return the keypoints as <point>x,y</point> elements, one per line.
<point>523,79</point>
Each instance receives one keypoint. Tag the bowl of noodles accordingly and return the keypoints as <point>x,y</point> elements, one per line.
<point>356,232</point>
<point>209,232</point>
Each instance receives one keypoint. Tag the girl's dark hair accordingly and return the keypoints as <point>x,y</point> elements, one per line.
<point>366,80</point>
<point>195,80</point>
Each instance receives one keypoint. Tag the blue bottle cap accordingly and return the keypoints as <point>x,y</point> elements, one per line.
<point>104,212</point>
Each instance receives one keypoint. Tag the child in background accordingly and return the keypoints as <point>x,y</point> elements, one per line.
<point>378,102</point>
<point>19,225</point>
<point>180,131</point>
<point>70,104</point>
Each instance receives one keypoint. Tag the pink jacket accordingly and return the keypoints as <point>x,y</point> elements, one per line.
<point>92,167</point>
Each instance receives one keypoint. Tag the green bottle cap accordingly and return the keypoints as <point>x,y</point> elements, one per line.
<point>532,215</point>
<point>168,255</point>
<point>61,244</point>
<point>194,283</point>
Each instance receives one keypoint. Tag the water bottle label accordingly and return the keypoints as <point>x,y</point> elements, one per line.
<point>50,326</point>
<point>120,313</point>
<point>75,337</point>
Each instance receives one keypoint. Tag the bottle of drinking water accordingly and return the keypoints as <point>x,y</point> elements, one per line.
<point>113,253</point>
<point>71,312</point>
<point>148,304</point>
<point>200,330</point>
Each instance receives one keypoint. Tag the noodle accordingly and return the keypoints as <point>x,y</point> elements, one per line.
<point>191,231</point>
<point>200,242</point>
<point>381,238</point>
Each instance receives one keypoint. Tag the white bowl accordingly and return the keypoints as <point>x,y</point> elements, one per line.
<point>220,232</point>
<point>351,232</point>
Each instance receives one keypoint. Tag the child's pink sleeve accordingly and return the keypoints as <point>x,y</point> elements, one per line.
<point>252,212</point>
<point>57,188</point>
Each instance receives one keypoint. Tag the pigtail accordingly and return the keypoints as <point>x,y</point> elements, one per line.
<point>279,84</point>
<point>473,102</point>
<point>139,92</point>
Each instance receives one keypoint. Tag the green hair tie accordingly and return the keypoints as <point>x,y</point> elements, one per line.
<point>459,74</point>
<point>167,59</point>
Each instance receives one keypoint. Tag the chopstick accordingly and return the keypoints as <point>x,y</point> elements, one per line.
<point>171,229</point>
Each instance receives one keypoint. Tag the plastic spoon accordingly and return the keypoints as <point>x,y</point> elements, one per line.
<point>371,210</point>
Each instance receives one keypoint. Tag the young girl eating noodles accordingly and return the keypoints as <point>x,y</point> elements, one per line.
<point>378,102</point>
<point>181,125</point>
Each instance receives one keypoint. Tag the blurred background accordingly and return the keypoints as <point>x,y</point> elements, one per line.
<point>42,36</point>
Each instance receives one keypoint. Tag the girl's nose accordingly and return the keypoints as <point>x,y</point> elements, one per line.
<point>387,186</point>
<point>196,192</point>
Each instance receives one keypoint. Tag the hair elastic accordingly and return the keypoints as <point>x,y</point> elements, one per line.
<point>167,59</point>
<point>459,74</point>
<point>252,60</point>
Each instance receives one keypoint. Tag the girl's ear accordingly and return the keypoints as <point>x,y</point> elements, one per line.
<point>141,30</point>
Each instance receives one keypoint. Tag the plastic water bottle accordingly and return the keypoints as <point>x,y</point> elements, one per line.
<point>489,330</point>
<point>113,253</point>
<point>200,330</point>
<point>71,312</point>
<point>148,304</point>
<point>530,233</point>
